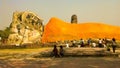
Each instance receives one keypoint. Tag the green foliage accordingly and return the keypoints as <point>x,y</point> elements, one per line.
<point>5,33</point>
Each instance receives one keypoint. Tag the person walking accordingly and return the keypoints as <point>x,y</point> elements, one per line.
<point>89,42</point>
<point>114,44</point>
<point>100,42</point>
<point>82,42</point>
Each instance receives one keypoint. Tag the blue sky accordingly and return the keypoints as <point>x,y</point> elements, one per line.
<point>105,11</point>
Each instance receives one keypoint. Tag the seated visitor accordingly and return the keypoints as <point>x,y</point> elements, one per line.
<point>55,51</point>
<point>61,51</point>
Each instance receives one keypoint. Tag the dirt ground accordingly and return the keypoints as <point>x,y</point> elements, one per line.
<point>8,59</point>
<point>66,62</point>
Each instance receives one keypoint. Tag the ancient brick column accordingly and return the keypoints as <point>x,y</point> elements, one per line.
<point>74,19</point>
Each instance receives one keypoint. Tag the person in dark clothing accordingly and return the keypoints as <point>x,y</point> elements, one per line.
<point>89,42</point>
<point>82,42</point>
<point>100,42</point>
<point>113,39</point>
<point>55,51</point>
<point>61,51</point>
<point>114,45</point>
<point>73,43</point>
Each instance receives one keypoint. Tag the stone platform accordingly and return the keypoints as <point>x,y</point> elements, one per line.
<point>83,52</point>
<point>92,52</point>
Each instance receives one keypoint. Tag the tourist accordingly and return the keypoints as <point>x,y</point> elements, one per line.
<point>79,45</point>
<point>82,42</point>
<point>93,44</point>
<point>89,42</point>
<point>74,43</point>
<point>114,44</point>
<point>61,51</point>
<point>100,42</point>
<point>104,43</point>
<point>55,51</point>
<point>67,45</point>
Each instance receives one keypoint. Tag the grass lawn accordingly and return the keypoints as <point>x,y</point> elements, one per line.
<point>21,53</point>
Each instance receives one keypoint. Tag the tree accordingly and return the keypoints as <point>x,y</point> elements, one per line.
<point>4,34</point>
